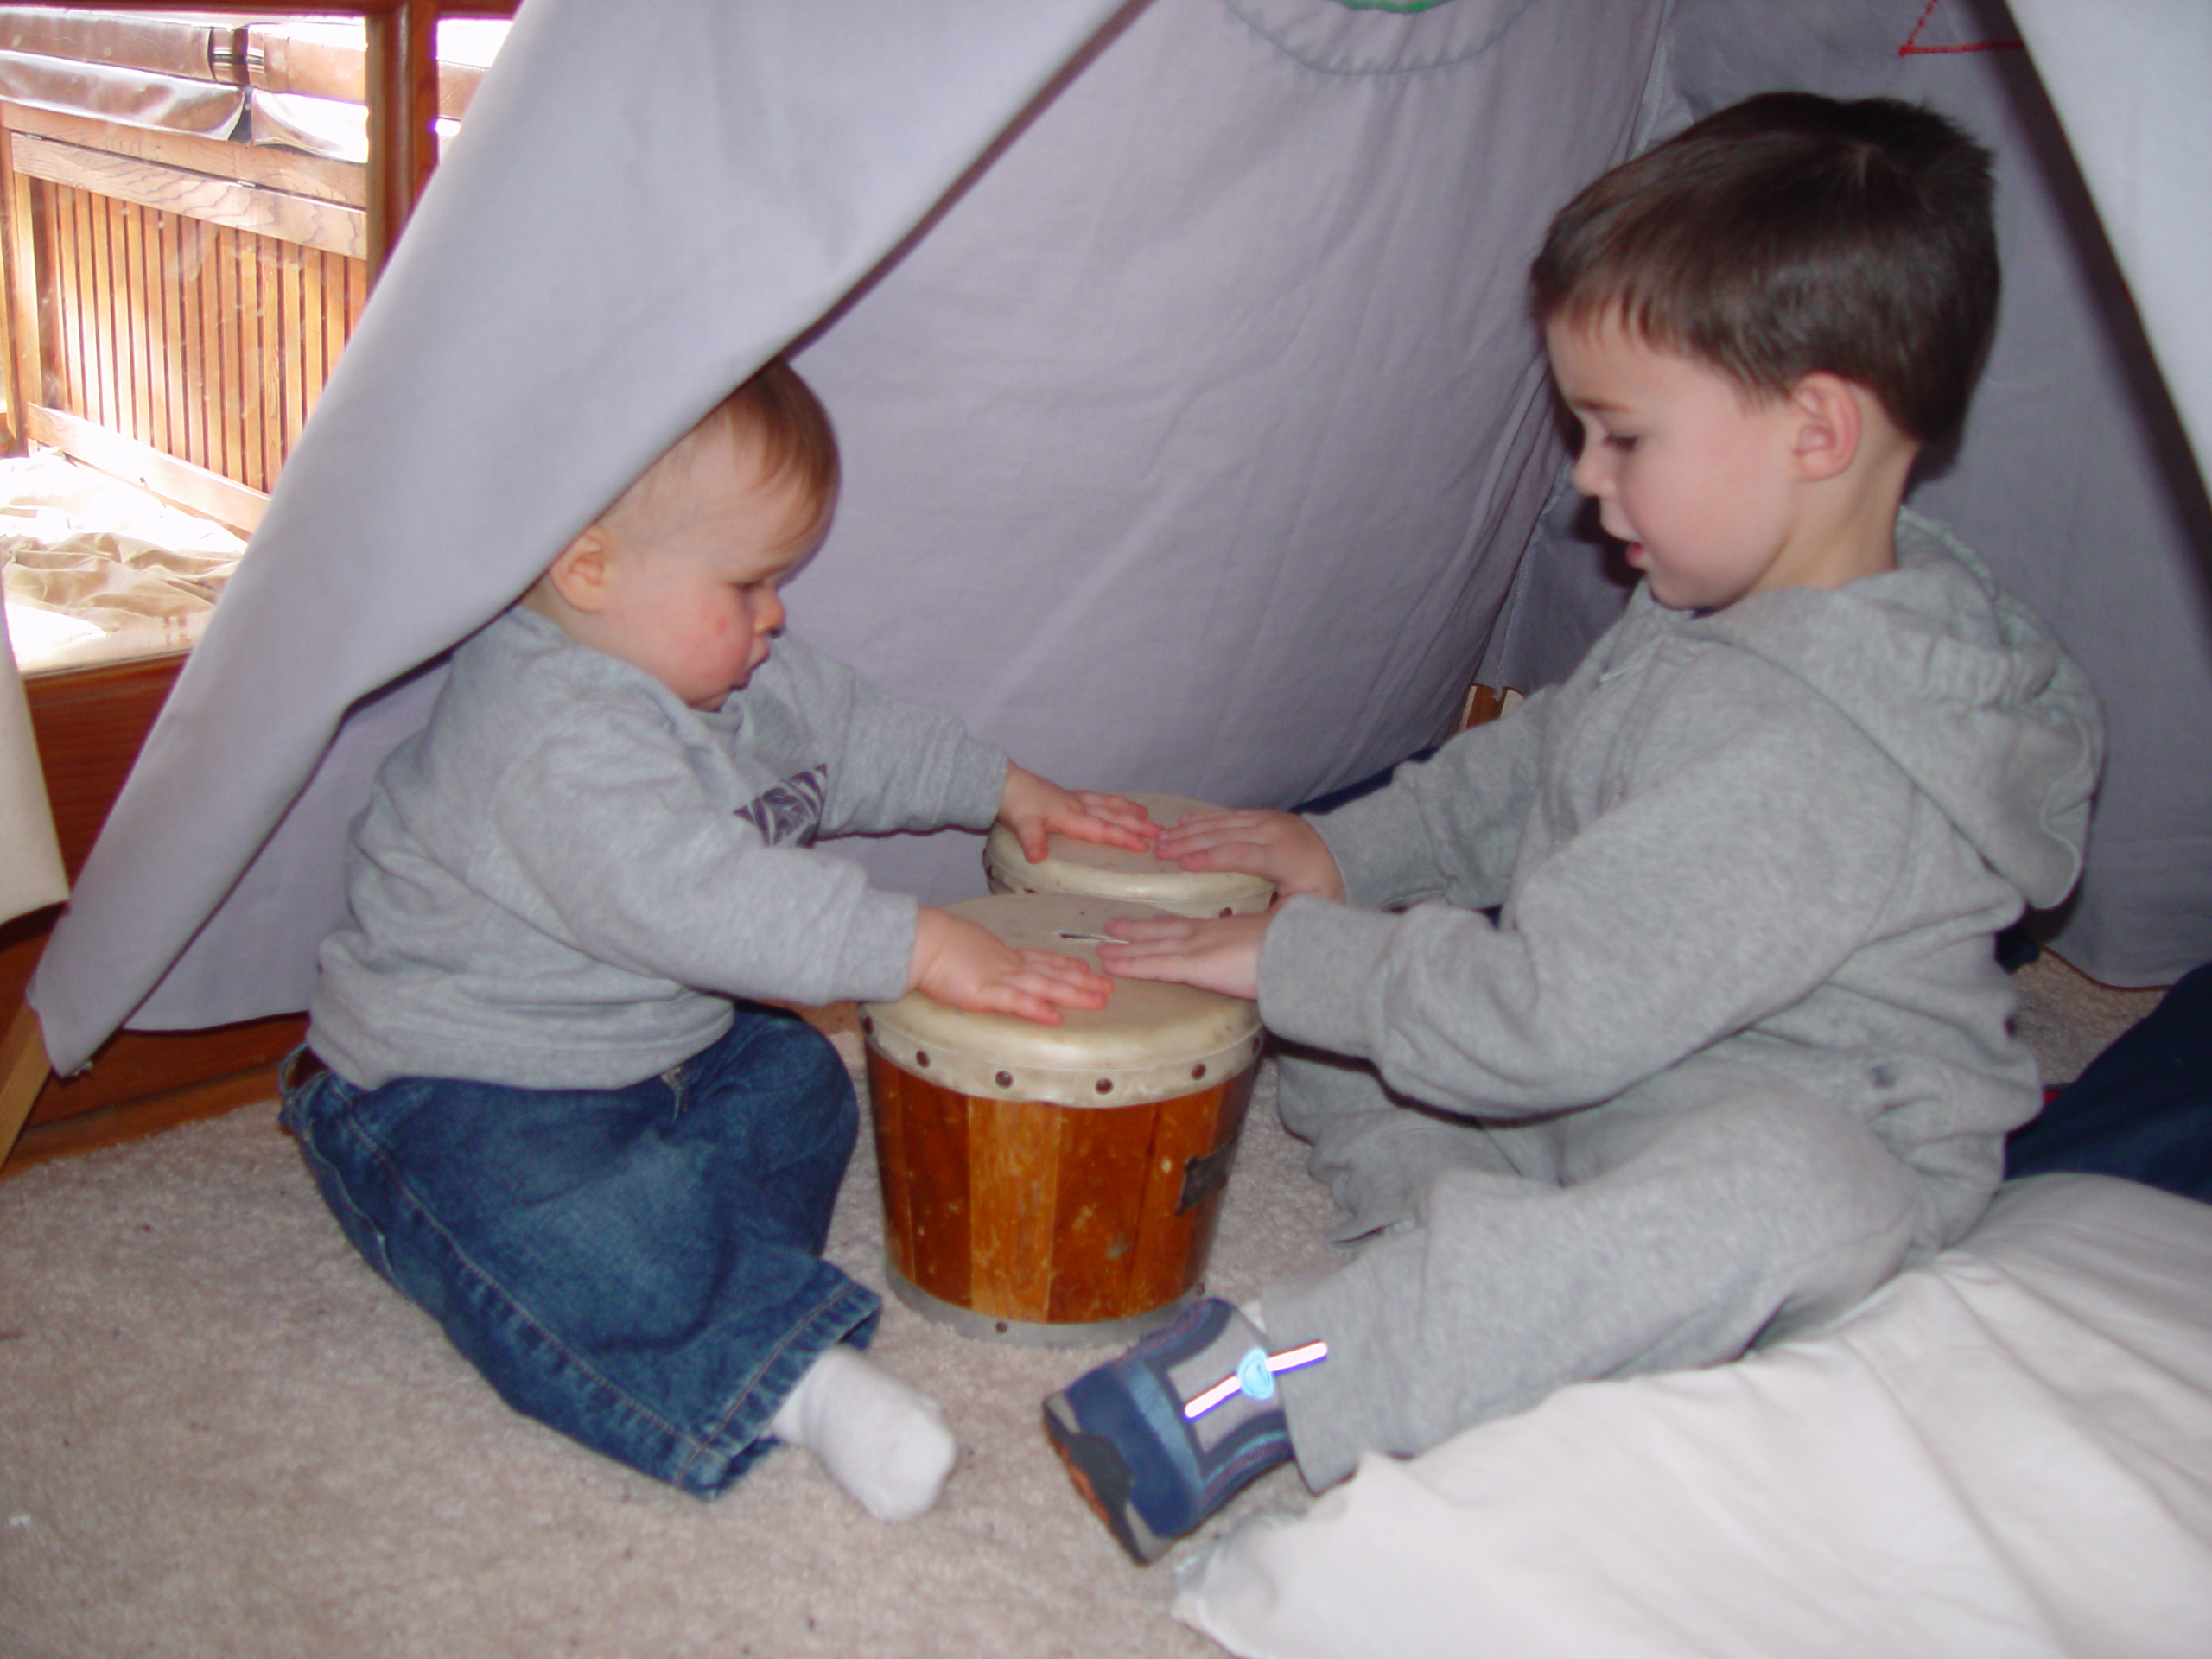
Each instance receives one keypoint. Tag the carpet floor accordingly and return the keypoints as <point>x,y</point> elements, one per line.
<point>221,1434</point>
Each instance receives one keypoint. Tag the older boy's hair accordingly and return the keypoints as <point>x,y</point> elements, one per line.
<point>1792,234</point>
<point>775,409</point>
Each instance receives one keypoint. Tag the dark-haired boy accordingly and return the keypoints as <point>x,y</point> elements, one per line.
<point>1736,1049</point>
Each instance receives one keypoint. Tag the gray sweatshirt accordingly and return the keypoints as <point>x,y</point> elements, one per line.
<point>1783,832</point>
<point>564,877</point>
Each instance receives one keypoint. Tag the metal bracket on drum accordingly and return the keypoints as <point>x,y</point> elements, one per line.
<point>1206,1175</point>
<point>1035,1333</point>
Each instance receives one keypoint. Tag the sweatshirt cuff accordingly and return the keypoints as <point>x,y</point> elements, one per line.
<point>1376,842</point>
<point>977,787</point>
<point>1315,965</point>
<point>871,963</point>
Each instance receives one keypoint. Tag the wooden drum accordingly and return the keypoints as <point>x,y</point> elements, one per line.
<point>1056,1184</point>
<point>1102,872</point>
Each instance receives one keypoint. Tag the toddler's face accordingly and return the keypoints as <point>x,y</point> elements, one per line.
<point>1689,473</point>
<point>694,594</point>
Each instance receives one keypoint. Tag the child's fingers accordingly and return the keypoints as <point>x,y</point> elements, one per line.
<point>1102,830</point>
<point>1233,821</point>
<point>1050,967</point>
<point>1130,963</point>
<point>1007,999</point>
<point>1226,964</point>
<point>1148,928</point>
<point>1250,856</point>
<point>1102,819</point>
<point>1251,833</point>
<point>1039,994</point>
<point>1118,957</point>
<point>1118,809</point>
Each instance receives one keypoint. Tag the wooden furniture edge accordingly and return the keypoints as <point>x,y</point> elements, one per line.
<point>238,505</point>
<point>24,1071</point>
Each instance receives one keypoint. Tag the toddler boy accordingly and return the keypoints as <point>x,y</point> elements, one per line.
<point>537,1092</point>
<point>1735,1049</point>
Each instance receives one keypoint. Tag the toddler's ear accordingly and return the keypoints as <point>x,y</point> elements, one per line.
<point>584,570</point>
<point>1829,425</point>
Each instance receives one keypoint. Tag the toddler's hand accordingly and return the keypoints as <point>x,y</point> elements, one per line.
<point>1222,955</point>
<point>1033,807</point>
<point>1280,845</point>
<point>965,965</point>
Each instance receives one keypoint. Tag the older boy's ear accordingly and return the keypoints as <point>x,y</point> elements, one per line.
<point>1829,425</point>
<point>584,570</point>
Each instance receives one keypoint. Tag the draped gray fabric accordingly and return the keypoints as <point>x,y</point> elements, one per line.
<point>1193,443</point>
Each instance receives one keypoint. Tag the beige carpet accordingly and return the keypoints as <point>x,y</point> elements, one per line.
<point>221,1434</point>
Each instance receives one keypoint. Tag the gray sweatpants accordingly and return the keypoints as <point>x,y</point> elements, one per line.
<point>1708,1209</point>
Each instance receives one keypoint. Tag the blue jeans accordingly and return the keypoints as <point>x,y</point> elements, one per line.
<point>639,1267</point>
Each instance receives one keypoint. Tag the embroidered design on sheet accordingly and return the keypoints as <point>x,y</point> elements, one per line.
<point>1913,47</point>
<point>790,810</point>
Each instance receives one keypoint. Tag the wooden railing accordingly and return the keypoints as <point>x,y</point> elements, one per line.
<point>173,307</point>
<point>177,301</point>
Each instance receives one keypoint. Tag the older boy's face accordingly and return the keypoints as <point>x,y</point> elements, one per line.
<point>694,598</point>
<point>1692,476</point>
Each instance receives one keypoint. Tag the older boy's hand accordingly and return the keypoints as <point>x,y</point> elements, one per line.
<point>1222,955</point>
<point>1280,845</point>
<point>1033,807</point>
<point>965,965</point>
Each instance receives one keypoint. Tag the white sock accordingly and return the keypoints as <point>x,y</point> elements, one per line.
<point>884,1443</point>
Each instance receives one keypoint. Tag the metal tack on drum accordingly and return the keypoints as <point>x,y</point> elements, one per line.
<point>1056,1184</point>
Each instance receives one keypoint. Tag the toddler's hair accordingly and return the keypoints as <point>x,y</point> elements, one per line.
<point>775,409</point>
<point>1792,234</point>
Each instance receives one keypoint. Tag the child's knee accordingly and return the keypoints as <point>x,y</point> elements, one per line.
<point>779,1060</point>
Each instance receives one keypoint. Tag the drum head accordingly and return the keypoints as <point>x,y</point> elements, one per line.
<point>1151,1041</point>
<point>1088,867</point>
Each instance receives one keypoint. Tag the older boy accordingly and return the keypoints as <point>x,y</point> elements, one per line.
<point>536,1096</point>
<point>1735,1049</point>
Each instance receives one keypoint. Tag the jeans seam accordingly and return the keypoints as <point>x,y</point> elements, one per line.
<point>295,1104</point>
<point>744,1391</point>
<point>469,1263</point>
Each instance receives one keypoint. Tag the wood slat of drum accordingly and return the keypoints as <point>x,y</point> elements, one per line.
<point>886,1111</point>
<point>1172,1250</point>
<point>930,1127</point>
<point>1099,1219</point>
<point>1014,1154</point>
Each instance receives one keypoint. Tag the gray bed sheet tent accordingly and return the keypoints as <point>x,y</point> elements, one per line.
<point>1195,436</point>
